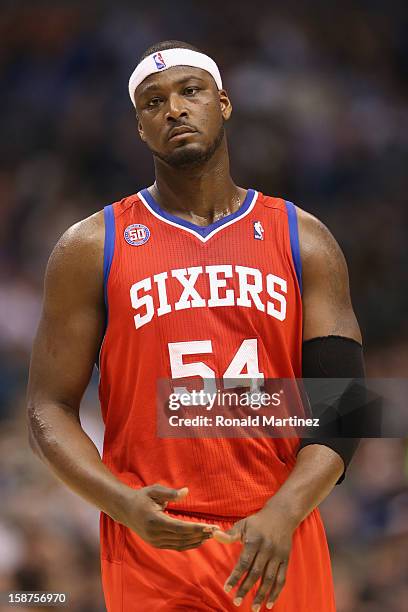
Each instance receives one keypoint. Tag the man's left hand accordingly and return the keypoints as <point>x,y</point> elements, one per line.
<point>267,539</point>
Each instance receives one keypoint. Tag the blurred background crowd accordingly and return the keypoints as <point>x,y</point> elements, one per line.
<point>320,96</point>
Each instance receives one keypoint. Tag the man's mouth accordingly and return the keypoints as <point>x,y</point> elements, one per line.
<point>179,132</point>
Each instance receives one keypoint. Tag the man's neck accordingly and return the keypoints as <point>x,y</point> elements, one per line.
<point>201,195</point>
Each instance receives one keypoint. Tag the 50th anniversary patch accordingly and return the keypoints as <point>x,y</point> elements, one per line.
<point>136,234</point>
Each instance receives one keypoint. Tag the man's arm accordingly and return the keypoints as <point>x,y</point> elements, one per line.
<point>64,352</point>
<point>331,339</point>
<point>267,535</point>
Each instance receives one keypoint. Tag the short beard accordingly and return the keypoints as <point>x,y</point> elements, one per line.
<point>185,158</point>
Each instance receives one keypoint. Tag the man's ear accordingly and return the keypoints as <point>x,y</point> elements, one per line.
<point>225,104</point>
<point>140,129</point>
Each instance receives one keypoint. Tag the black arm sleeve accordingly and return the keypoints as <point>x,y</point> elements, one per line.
<point>340,413</point>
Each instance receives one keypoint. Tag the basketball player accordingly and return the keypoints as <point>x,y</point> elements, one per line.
<point>194,276</point>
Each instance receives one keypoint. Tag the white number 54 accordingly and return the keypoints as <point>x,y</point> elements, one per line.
<point>246,357</point>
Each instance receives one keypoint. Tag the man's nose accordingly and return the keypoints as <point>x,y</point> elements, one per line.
<point>175,108</point>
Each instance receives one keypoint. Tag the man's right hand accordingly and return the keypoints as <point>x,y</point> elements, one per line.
<point>143,512</point>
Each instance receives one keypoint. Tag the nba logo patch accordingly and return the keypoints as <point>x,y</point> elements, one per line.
<point>258,230</point>
<point>159,61</point>
<point>136,234</point>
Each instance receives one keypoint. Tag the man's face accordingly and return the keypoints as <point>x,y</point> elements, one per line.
<point>181,115</point>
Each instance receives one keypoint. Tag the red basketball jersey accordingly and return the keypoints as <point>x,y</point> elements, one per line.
<point>208,301</point>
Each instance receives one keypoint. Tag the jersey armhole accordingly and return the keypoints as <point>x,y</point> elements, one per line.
<point>108,250</point>
<point>294,240</point>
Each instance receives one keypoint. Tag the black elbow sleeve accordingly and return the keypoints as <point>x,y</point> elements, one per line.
<point>333,372</point>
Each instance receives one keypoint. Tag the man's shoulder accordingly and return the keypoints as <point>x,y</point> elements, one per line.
<point>80,248</point>
<point>319,250</point>
<point>87,234</point>
<point>315,237</point>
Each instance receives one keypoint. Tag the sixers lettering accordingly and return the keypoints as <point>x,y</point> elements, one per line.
<point>192,278</point>
<point>249,281</point>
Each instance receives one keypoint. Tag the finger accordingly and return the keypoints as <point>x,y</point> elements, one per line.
<point>278,585</point>
<point>243,565</point>
<point>234,534</point>
<point>180,541</point>
<point>162,495</point>
<point>181,493</point>
<point>227,537</point>
<point>255,572</point>
<point>171,525</point>
<point>179,545</point>
<point>267,582</point>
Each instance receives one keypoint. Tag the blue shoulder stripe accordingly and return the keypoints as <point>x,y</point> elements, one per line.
<point>294,240</point>
<point>108,249</point>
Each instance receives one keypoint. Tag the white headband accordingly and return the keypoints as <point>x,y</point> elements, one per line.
<point>157,62</point>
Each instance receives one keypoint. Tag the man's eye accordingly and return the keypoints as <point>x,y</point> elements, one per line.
<point>154,102</point>
<point>190,91</point>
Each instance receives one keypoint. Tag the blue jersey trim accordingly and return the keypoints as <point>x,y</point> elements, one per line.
<point>294,240</point>
<point>108,250</point>
<point>205,230</point>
